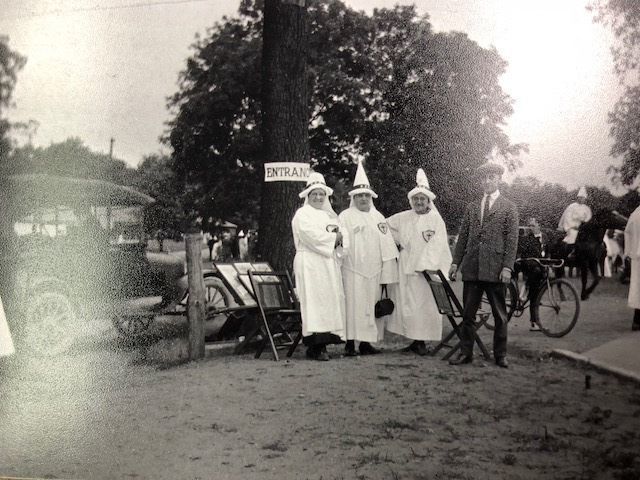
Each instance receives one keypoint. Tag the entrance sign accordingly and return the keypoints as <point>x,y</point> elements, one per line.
<point>286,172</point>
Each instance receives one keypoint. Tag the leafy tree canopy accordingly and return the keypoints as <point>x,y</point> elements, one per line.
<point>623,17</point>
<point>547,201</point>
<point>69,158</point>
<point>10,64</point>
<point>157,179</point>
<point>384,87</point>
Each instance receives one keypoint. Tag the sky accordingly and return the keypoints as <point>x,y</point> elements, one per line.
<point>103,69</point>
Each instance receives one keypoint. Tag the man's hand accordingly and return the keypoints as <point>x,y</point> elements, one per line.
<point>452,272</point>
<point>505,275</point>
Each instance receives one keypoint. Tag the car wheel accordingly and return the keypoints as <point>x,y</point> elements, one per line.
<point>49,324</point>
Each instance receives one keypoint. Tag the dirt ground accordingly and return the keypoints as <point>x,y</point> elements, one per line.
<point>113,411</point>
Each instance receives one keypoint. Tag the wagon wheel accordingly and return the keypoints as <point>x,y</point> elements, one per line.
<point>215,295</point>
<point>132,325</point>
<point>217,299</point>
<point>49,324</point>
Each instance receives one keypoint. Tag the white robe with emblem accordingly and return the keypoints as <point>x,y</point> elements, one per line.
<point>317,272</point>
<point>632,250</point>
<point>574,216</point>
<point>424,246</point>
<point>6,342</point>
<point>370,261</point>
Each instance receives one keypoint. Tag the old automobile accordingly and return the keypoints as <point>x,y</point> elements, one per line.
<point>74,250</point>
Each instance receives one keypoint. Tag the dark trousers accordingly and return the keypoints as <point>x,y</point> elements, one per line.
<point>471,299</point>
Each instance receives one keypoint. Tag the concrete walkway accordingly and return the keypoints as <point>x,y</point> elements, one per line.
<point>620,357</point>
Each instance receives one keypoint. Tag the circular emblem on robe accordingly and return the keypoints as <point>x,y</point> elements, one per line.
<point>428,235</point>
<point>331,228</point>
<point>383,227</point>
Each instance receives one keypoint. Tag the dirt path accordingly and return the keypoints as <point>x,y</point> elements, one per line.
<point>101,414</point>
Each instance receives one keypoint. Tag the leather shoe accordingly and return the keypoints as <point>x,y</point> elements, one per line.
<point>502,362</point>
<point>323,356</point>
<point>367,349</point>
<point>350,349</point>
<point>461,360</point>
<point>635,326</point>
<point>417,347</point>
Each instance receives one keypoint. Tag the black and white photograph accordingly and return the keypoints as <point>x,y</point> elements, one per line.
<point>320,239</point>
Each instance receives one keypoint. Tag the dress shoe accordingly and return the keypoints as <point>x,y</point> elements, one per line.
<point>635,326</point>
<point>367,349</point>
<point>350,349</point>
<point>417,347</point>
<point>502,362</point>
<point>461,360</point>
<point>323,356</point>
<point>318,352</point>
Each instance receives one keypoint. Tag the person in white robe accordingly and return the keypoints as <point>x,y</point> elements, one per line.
<point>423,243</point>
<point>632,250</point>
<point>320,242</point>
<point>370,263</point>
<point>6,341</point>
<point>574,215</point>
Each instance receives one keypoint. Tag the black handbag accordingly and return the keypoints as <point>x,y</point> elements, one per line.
<point>385,305</point>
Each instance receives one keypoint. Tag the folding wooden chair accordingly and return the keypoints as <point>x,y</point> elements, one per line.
<point>281,324</point>
<point>449,305</point>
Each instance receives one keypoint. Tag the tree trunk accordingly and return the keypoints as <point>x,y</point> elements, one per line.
<point>285,120</point>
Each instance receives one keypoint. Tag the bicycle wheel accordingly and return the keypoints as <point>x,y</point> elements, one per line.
<point>556,308</point>
<point>511,301</point>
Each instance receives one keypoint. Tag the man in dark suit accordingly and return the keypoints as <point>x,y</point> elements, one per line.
<point>485,252</point>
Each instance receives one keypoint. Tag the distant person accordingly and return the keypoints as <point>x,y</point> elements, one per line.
<point>243,246</point>
<point>421,236</point>
<point>632,250</point>
<point>160,236</point>
<point>486,252</point>
<point>6,341</point>
<point>530,245</point>
<point>226,249</point>
<point>574,215</point>
<point>369,264</point>
<point>320,241</point>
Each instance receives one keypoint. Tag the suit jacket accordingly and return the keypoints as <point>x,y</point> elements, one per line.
<point>483,251</point>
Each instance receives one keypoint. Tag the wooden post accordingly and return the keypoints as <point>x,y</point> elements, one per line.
<point>196,303</point>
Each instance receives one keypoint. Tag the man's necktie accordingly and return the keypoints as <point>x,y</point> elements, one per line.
<point>485,212</point>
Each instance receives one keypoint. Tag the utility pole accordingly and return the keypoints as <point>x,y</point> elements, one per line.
<point>111,141</point>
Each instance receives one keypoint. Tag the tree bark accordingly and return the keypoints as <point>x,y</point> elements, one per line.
<point>285,119</point>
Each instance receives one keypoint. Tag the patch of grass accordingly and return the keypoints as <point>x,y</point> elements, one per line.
<point>276,446</point>
<point>597,416</point>
<point>373,459</point>
<point>635,399</point>
<point>623,459</point>
<point>398,425</point>
<point>509,459</point>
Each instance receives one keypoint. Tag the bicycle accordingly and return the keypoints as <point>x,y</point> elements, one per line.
<point>556,306</point>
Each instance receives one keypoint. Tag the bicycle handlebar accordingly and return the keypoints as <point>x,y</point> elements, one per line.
<point>544,262</point>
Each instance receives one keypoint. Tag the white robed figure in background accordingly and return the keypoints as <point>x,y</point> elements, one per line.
<point>422,238</point>
<point>370,263</point>
<point>320,243</point>
<point>574,215</point>
<point>632,250</point>
<point>6,342</point>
